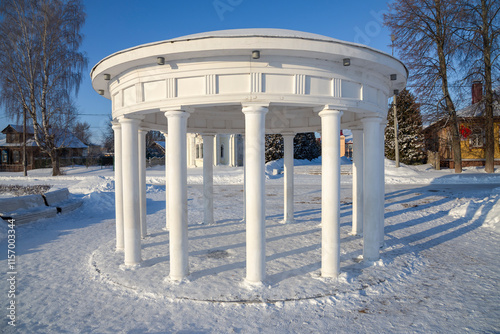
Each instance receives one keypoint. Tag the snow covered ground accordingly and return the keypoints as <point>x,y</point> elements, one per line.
<point>439,270</point>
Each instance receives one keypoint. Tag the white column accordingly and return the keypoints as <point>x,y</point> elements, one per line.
<point>191,149</point>
<point>330,192</point>
<point>357,182</point>
<point>381,180</point>
<point>131,198</point>
<point>288,177</point>
<point>232,156</point>
<point>371,188</point>
<point>177,193</point>
<point>255,117</point>
<point>217,150</point>
<point>208,178</point>
<point>166,181</point>
<point>118,187</point>
<point>142,181</point>
<point>244,181</point>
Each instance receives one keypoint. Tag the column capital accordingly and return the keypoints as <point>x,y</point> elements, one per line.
<point>330,112</point>
<point>288,134</point>
<point>134,120</point>
<point>138,117</point>
<point>143,130</point>
<point>249,108</point>
<point>328,107</point>
<point>185,109</point>
<point>115,125</point>
<point>176,113</point>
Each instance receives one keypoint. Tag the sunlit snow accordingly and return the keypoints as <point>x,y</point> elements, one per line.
<point>439,269</point>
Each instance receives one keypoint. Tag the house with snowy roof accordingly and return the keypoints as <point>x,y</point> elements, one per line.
<point>471,127</point>
<point>11,148</point>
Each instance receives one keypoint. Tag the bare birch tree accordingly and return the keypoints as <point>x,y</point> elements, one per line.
<point>480,32</point>
<point>426,40</point>
<point>41,66</point>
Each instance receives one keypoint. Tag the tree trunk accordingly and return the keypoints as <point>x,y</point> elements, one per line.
<point>443,74</point>
<point>489,145</point>
<point>455,143</point>
<point>56,170</point>
<point>25,157</point>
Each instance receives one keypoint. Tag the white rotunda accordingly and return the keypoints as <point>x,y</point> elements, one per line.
<point>249,82</point>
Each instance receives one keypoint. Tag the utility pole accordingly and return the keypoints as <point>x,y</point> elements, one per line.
<point>396,144</point>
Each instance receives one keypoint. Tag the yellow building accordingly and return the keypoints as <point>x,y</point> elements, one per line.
<point>472,134</point>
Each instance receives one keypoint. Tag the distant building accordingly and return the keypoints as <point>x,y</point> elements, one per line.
<point>438,135</point>
<point>11,149</point>
<point>228,149</point>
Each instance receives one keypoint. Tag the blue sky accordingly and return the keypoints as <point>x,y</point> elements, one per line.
<point>114,25</point>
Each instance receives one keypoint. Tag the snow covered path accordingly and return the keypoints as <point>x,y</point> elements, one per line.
<point>439,272</point>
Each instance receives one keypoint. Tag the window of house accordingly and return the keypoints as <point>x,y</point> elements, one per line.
<point>222,151</point>
<point>199,151</point>
<point>476,138</point>
<point>16,156</point>
<point>5,157</point>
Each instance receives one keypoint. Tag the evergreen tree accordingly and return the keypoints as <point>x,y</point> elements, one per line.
<point>305,146</point>
<point>410,132</point>
<point>274,147</point>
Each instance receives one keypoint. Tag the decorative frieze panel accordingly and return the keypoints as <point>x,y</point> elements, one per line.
<point>336,87</point>
<point>154,90</point>
<point>211,84</point>
<point>300,84</point>
<point>116,101</point>
<point>139,92</point>
<point>370,94</point>
<point>233,83</point>
<point>351,90</point>
<point>278,84</point>
<point>129,96</point>
<point>318,86</point>
<point>256,82</point>
<point>170,88</point>
<point>382,99</point>
<point>191,86</point>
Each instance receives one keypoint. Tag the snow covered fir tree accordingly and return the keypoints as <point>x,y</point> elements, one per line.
<point>410,131</point>
<point>305,146</point>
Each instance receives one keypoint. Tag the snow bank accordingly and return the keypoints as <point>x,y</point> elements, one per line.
<point>492,220</point>
<point>486,210</point>
<point>425,174</point>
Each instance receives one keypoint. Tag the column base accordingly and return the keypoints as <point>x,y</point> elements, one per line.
<point>288,221</point>
<point>128,267</point>
<point>170,279</point>
<point>252,285</point>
